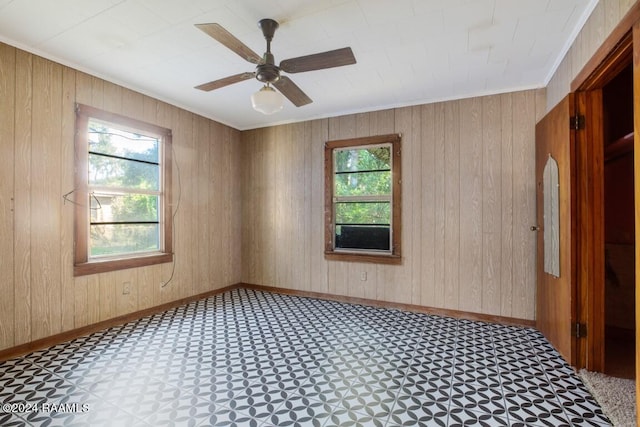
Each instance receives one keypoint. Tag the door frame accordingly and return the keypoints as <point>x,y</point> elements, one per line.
<point>590,204</point>
<point>590,259</point>
<point>621,46</point>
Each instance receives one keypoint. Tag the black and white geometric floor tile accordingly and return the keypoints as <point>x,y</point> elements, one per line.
<point>249,358</point>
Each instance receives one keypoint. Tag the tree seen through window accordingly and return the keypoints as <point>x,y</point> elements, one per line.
<point>124,179</point>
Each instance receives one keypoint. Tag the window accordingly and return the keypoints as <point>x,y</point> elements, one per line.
<point>123,181</point>
<point>362,199</point>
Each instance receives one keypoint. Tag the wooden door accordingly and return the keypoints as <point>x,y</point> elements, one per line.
<point>556,296</point>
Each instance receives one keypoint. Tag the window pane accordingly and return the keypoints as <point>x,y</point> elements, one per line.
<point>363,184</point>
<point>124,207</point>
<point>369,237</point>
<point>115,239</point>
<point>108,171</point>
<point>105,139</point>
<point>378,158</point>
<point>363,213</point>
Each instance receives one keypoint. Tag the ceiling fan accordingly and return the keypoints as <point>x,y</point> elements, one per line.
<point>266,70</point>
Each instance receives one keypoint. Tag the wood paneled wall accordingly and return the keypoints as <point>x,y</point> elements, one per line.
<point>468,191</point>
<point>39,296</point>
<point>468,197</point>
<point>606,15</point>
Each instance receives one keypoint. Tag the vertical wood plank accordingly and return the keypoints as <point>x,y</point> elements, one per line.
<point>22,203</point>
<point>150,108</point>
<point>80,303</point>
<point>260,217</point>
<point>184,194</point>
<point>304,133</point>
<point>255,182</point>
<point>7,151</point>
<point>407,122</point>
<point>506,219</point>
<point>93,307</point>
<point>524,204</point>
<point>611,15</point>
<point>164,116</point>
<point>132,104</point>
<point>201,137</point>
<point>425,246</point>
<point>112,98</point>
<point>97,92</point>
<point>422,190</point>
<point>299,208</point>
<point>269,200</point>
<point>233,207</point>
<point>221,175</point>
<point>594,30</point>
<point>46,198</point>
<point>236,259</point>
<point>471,200</point>
<point>452,206</point>
<point>439,204</point>
<point>83,88</point>
<point>217,189</point>
<point>248,225</point>
<point>67,157</point>
<point>147,288</point>
<point>292,204</point>
<point>282,219</point>
<point>107,294</point>
<point>491,204</point>
<point>319,268</point>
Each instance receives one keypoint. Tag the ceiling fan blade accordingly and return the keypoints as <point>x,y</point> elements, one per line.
<point>319,61</point>
<point>216,84</point>
<point>229,40</point>
<point>293,93</point>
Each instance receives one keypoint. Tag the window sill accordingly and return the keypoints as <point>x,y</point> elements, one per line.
<point>95,267</point>
<point>354,257</point>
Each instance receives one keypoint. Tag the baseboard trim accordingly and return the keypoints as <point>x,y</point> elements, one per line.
<point>458,314</point>
<point>42,343</point>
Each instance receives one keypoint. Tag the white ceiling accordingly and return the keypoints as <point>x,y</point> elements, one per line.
<point>408,52</point>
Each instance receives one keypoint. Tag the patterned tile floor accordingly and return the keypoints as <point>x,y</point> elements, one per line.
<point>249,358</point>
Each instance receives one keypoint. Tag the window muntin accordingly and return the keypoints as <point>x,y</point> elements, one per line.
<point>123,174</point>
<point>363,198</point>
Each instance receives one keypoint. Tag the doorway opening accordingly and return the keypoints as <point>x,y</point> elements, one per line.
<point>619,226</point>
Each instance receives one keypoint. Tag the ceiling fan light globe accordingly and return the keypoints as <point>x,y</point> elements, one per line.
<point>267,101</point>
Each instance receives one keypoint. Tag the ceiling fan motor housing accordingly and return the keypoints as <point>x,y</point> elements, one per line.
<point>268,72</point>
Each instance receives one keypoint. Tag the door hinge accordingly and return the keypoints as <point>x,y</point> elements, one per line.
<point>579,330</point>
<point>577,122</point>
